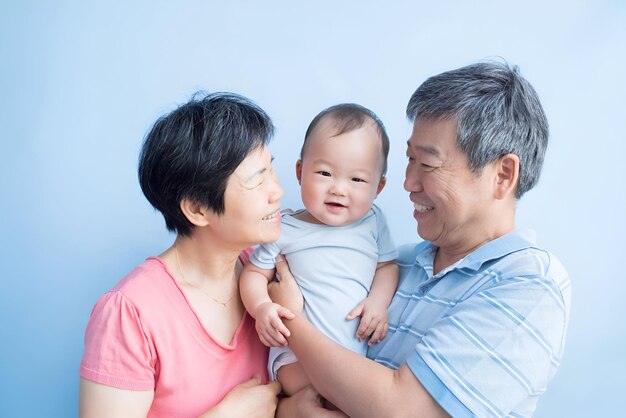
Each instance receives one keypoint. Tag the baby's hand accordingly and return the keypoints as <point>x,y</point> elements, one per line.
<point>269,325</point>
<point>374,322</point>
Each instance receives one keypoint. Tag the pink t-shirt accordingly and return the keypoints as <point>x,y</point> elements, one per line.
<point>144,335</point>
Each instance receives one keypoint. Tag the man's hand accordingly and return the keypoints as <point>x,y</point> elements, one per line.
<point>269,325</point>
<point>286,292</point>
<point>305,403</point>
<point>374,321</point>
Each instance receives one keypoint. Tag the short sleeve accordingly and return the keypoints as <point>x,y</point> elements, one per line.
<point>495,350</point>
<point>117,352</point>
<point>386,247</point>
<point>244,256</point>
<point>264,256</point>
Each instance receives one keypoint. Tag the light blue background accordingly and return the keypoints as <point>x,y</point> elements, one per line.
<point>81,82</point>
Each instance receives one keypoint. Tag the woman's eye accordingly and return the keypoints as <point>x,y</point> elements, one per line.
<point>253,186</point>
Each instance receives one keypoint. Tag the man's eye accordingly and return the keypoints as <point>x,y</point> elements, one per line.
<point>427,167</point>
<point>324,173</point>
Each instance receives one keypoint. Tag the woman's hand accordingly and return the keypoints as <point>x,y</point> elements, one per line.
<point>248,399</point>
<point>286,292</point>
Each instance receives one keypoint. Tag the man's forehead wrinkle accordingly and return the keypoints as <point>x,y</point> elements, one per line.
<point>425,148</point>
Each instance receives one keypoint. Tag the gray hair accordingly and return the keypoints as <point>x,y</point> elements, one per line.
<point>498,112</point>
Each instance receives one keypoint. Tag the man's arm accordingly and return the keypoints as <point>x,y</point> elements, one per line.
<point>358,386</point>
<point>304,404</point>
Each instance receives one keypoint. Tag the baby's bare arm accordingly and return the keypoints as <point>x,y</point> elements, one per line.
<point>373,309</point>
<point>254,295</point>
<point>253,286</point>
<point>385,282</point>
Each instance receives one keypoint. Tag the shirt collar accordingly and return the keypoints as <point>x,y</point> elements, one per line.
<point>514,241</point>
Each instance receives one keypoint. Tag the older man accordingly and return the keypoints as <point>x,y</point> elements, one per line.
<point>478,323</point>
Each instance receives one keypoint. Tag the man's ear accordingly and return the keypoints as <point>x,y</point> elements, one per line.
<point>299,171</point>
<point>507,175</point>
<point>381,185</point>
<point>194,212</point>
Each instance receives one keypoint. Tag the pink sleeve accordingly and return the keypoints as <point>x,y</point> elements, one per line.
<point>117,352</point>
<point>245,255</point>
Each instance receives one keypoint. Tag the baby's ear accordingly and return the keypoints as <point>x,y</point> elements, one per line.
<point>299,171</point>
<point>381,185</point>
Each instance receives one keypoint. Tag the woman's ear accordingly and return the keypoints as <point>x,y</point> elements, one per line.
<point>507,175</point>
<point>195,212</point>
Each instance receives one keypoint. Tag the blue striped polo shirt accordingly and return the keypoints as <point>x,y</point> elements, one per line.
<point>485,335</point>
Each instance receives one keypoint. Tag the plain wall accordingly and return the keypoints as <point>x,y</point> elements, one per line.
<point>82,81</point>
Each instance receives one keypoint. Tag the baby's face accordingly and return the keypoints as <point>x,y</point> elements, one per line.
<point>340,176</point>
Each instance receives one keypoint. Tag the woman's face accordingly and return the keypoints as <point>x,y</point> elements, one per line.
<point>252,203</point>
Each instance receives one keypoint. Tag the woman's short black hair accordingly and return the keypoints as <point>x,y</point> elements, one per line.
<point>191,152</point>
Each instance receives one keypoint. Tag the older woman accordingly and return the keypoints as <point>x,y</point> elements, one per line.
<point>477,325</point>
<point>172,338</point>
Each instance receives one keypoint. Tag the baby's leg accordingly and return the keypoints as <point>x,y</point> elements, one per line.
<point>292,378</point>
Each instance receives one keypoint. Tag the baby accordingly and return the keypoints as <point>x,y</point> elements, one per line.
<point>338,247</point>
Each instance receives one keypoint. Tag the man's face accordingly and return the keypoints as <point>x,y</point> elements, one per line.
<point>451,202</point>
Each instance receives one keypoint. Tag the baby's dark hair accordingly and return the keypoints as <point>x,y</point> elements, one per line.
<point>348,117</point>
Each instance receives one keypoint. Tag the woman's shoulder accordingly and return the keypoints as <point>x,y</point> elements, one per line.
<point>145,295</point>
<point>146,280</point>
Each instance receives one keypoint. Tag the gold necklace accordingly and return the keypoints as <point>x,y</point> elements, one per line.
<point>182,276</point>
